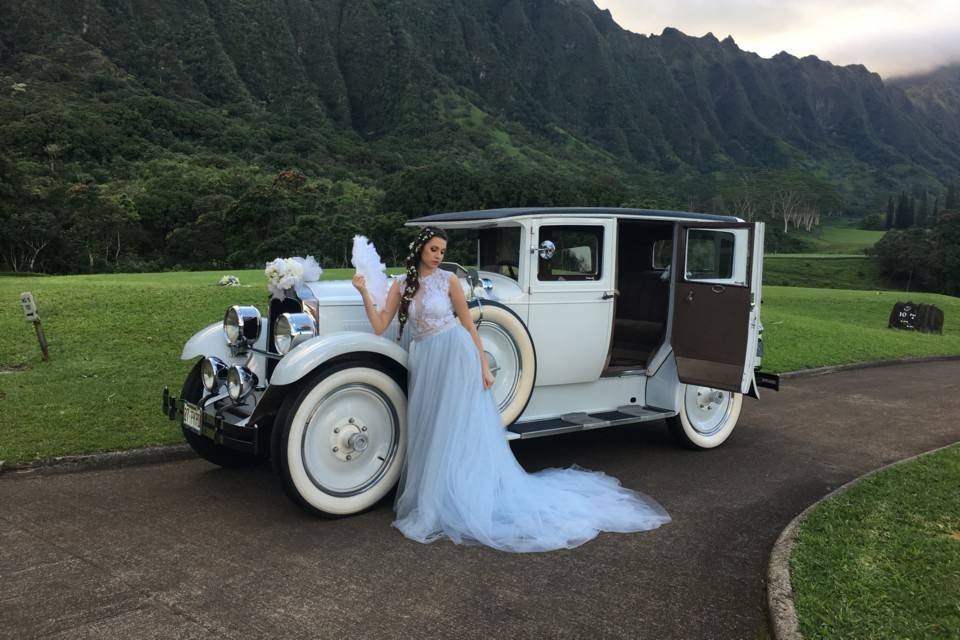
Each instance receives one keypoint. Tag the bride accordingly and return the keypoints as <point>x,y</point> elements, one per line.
<point>460,479</point>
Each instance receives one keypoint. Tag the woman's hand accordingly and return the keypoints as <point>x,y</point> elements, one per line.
<point>360,283</point>
<point>488,378</point>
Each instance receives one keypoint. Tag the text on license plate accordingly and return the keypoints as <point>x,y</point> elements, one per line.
<point>192,417</point>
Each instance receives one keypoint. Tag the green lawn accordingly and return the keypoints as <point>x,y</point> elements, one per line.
<point>839,238</point>
<point>806,328</point>
<point>115,340</point>
<point>882,560</point>
<point>823,271</point>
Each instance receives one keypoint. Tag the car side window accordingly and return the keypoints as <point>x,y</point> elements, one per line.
<point>717,255</point>
<point>569,252</point>
<point>662,253</point>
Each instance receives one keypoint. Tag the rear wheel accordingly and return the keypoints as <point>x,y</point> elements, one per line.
<point>706,417</point>
<point>342,439</point>
<point>204,447</point>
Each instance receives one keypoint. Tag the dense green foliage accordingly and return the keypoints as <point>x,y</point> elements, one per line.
<point>823,271</point>
<point>115,341</point>
<point>881,560</point>
<point>136,137</point>
<point>923,259</point>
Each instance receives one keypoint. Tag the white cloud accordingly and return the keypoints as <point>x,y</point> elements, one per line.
<point>886,36</point>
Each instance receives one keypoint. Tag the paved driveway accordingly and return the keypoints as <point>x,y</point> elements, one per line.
<point>188,550</point>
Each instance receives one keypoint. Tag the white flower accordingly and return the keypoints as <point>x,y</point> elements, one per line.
<point>288,273</point>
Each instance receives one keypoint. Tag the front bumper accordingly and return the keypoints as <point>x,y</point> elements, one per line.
<point>221,427</point>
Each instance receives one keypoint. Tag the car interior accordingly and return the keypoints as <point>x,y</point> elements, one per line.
<point>644,254</point>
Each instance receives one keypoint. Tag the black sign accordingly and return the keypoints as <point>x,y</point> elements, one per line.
<point>926,318</point>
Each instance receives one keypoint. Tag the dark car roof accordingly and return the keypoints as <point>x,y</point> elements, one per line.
<point>500,214</point>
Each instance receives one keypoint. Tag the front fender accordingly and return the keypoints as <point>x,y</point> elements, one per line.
<point>208,341</point>
<point>313,353</point>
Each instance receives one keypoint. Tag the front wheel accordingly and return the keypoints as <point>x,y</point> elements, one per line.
<point>706,417</point>
<point>343,439</point>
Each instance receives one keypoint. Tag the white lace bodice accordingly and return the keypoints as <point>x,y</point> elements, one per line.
<point>431,309</point>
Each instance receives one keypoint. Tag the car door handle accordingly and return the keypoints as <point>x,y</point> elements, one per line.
<point>717,288</point>
<point>690,295</point>
<point>607,296</point>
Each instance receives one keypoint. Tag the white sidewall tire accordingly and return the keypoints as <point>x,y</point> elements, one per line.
<point>497,318</point>
<point>683,426</point>
<point>299,479</point>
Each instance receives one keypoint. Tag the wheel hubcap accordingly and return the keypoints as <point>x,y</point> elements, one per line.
<point>707,409</point>
<point>350,439</point>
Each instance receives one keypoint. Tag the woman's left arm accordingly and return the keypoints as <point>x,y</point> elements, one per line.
<point>463,314</point>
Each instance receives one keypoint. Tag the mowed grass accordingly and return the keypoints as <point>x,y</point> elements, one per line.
<point>805,328</point>
<point>115,341</point>
<point>882,560</point>
<point>826,271</point>
<point>839,239</point>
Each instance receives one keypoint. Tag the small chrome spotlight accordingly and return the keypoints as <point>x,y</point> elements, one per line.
<point>213,371</point>
<point>240,382</point>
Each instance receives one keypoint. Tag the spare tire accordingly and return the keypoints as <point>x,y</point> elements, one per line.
<point>510,354</point>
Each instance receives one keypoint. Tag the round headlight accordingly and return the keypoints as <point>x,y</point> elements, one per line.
<point>241,324</point>
<point>240,382</point>
<point>291,329</point>
<point>212,372</point>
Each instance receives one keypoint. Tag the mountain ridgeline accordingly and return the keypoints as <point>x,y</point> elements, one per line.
<point>103,91</point>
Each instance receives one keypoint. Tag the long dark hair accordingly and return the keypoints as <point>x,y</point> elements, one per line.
<point>413,270</point>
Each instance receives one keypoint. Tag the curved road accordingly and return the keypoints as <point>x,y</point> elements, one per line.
<point>188,550</point>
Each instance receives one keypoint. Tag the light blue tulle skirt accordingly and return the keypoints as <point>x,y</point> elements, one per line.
<point>461,480</point>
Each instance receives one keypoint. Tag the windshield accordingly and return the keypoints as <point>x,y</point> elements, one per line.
<point>499,251</point>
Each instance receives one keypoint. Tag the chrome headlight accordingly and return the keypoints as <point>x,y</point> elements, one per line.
<point>212,372</point>
<point>240,382</point>
<point>241,324</point>
<point>291,329</point>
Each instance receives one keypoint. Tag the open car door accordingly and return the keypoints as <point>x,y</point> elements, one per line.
<point>716,303</point>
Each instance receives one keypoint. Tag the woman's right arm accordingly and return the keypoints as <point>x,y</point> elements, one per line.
<point>381,319</point>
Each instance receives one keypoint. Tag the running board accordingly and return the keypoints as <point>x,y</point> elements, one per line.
<point>570,422</point>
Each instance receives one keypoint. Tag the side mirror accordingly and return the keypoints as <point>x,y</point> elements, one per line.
<point>547,249</point>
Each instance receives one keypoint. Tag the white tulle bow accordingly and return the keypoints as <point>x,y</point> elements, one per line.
<point>368,264</point>
<point>287,273</point>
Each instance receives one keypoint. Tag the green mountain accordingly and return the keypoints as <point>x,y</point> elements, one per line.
<point>118,91</point>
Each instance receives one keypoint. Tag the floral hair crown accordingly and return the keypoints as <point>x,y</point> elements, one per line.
<point>425,235</point>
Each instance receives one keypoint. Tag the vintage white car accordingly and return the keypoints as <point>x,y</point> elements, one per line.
<point>589,317</point>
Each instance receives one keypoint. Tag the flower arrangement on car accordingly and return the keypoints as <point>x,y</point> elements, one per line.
<point>288,273</point>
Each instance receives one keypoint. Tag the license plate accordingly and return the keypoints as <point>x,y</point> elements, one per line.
<point>192,417</point>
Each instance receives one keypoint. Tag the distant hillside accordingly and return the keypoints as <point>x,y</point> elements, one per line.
<point>937,94</point>
<point>132,132</point>
<point>400,74</point>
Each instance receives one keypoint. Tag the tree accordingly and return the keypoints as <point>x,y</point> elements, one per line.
<point>888,222</point>
<point>98,222</point>
<point>903,218</point>
<point>951,202</point>
<point>935,213</point>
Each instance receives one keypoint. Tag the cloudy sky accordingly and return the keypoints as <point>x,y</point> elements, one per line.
<point>887,36</point>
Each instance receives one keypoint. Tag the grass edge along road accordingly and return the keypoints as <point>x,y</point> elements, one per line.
<point>115,341</point>
<point>881,560</point>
